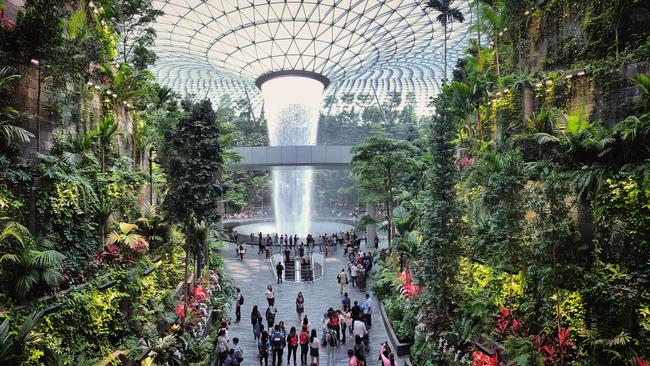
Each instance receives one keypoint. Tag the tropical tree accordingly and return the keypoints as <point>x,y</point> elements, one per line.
<point>378,166</point>
<point>439,251</point>
<point>28,262</point>
<point>106,129</point>
<point>447,14</point>
<point>132,20</point>
<point>192,157</point>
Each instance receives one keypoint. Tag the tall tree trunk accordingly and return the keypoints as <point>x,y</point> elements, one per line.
<point>187,268</point>
<point>478,24</point>
<point>496,46</point>
<point>445,77</point>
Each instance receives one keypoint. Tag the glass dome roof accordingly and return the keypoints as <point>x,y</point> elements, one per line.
<point>209,48</point>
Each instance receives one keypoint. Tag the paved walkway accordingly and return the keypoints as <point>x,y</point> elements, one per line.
<point>254,273</point>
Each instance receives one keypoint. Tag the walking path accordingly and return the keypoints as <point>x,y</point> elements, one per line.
<point>254,273</point>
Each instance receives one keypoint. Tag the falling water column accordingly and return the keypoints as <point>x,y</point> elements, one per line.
<point>292,108</point>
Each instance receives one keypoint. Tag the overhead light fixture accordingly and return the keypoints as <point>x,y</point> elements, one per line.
<point>549,82</point>
<point>539,84</point>
<point>568,76</point>
<point>90,83</point>
<point>35,62</point>
<point>581,72</point>
<point>498,94</point>
<point>114,95</point>
<point>97,87</point>
<point>506,90</point>
<point>527,12</point>
<point>109,92</point>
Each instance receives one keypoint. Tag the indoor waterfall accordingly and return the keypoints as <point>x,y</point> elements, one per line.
<point>292,110</point>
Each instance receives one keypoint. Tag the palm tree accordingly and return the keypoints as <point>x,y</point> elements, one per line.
<point>29,261</point>
<point>447,14</point>
<point>125,235</point>
<point>106,130</point>
<point>9,132</point>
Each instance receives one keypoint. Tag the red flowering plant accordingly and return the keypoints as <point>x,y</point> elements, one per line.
<point>481,359</point>
<point>641,362</point>
<point>109,254</point>
<point>555,349</point>
<point>507,325</point>
<point>409,289</point>
<point>466,161</point>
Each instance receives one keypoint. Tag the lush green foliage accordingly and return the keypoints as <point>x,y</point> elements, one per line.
<point>193,158</point>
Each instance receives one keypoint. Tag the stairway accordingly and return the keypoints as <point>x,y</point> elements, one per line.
<point>290,269</point>
<point>306,272</point>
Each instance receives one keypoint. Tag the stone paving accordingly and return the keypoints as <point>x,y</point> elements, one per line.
<point>254,273</point>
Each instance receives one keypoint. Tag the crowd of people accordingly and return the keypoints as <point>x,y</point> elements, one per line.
<point>349,323</point>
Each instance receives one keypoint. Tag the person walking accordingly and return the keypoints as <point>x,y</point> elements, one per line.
<point>279,269</point>
<point>386,360</point>
<point>270,294</point>
<point>256,322</point>
<point>376,242</point>
<point>334,325</point>
<point>314,344</point>
<point>353,273</point>
<point>264,347</point>
<point>292,345</point>
<point>304,345</point>
<point>239,301</point>
<point>300,306</point>
<point>239,352</point>
<point>330,346</point>
<point>367,310</point>
<point>352,359</point>
<point>345,302</point>
<point>360,330</point>
<point>241,251</point>
<point>271,311</point>
<point>222,347</point>
<point>342,278</point>
<point>278,342</point>
<point>343,324</point>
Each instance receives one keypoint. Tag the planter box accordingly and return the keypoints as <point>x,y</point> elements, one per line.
<point>401,349</point>
<point>107,285</point>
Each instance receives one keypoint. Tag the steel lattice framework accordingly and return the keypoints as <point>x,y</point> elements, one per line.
<point>209,48</point>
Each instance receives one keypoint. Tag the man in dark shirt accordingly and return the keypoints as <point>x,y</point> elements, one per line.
<point>355,313</point>
<point>279,269</point>
<point>345,302</point>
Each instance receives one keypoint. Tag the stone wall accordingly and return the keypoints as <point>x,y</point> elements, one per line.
<point>31,99</point>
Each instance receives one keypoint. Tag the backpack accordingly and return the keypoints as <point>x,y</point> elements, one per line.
<point>262,347</point>
<point>277,342</point>
<point>239,354</point>
<point>241,299</point>
<point>334,319</point>
<point>361,363</point>
<point>304,338</point>
<point>293,341</point>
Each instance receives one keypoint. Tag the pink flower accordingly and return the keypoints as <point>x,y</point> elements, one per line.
<point>180,310</point>
<point>640,361</point>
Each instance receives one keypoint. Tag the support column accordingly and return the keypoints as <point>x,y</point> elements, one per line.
<point>371,229</point>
